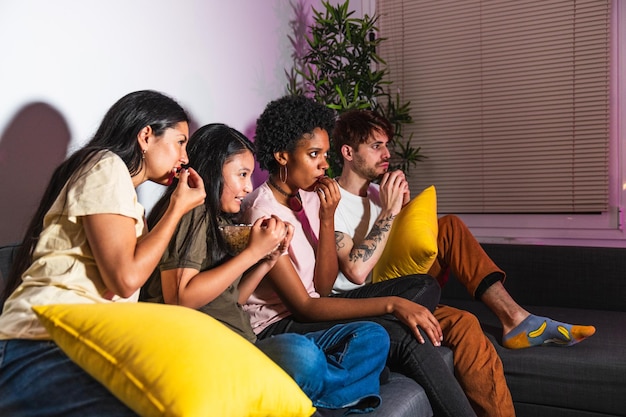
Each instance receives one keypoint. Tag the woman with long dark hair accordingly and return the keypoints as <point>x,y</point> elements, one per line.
<point>336,367</point>
<point>88,243</point>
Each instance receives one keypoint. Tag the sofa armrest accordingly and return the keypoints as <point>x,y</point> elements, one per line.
<point>7,254</point>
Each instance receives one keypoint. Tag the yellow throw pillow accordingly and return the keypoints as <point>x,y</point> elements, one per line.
<point>412,244</point>
<point>164,360</point>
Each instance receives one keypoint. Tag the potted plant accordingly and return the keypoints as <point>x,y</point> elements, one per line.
<point>336,63</point>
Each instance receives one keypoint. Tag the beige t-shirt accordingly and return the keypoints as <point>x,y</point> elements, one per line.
<point>64,270</point>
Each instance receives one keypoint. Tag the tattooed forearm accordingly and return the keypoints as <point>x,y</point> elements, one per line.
<point>362,252</point>
<point>366,249</point>
<point>381,227</point>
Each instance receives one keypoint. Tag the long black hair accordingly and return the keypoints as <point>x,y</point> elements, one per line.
<point>117,133</point>
<point>209,148</point>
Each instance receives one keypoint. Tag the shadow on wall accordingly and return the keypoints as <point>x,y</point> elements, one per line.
<point>31,147</point>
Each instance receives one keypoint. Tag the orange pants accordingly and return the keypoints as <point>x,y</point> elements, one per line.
<point>460,252</point>
<point>477,366</point>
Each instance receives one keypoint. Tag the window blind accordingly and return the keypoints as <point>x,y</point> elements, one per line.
<point>510,101</point>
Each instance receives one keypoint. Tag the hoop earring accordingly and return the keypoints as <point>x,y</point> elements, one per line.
<point>282,177</point>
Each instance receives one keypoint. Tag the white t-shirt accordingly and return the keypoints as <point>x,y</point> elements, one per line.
<point>64,270</point>
<point>355,216</point>
<point>265,306</point>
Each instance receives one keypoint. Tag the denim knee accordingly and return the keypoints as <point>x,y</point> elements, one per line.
<point>336,367</point>
<point>301,358</point>
<point>356,354</point>
<point>371,339</point>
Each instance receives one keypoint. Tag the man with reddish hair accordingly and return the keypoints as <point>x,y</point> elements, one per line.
<point>363,220</point>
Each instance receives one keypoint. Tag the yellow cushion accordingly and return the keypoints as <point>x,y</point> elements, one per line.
<point>164,360</point>
<point>412,244</point>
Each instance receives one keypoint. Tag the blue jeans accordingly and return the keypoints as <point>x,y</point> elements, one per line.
<point>336,367</point>
<point>38,379</point>
<point>420,362</point>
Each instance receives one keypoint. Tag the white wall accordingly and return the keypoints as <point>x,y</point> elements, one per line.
<point>64,63</point>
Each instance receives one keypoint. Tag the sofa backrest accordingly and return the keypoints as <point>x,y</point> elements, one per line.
<point>7,254</point>
<point>558,276</point>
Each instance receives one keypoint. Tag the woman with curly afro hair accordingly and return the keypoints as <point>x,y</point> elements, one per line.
<point>292,141</point>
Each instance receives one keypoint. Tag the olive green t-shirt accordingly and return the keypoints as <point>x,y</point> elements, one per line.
<point>193,228</point>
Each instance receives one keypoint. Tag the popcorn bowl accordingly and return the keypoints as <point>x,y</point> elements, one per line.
<point>236,237</point>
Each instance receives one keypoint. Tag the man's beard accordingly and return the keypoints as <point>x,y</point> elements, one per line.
<point>370,174</point>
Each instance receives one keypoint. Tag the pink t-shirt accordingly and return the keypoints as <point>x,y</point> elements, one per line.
<point>264,305</point>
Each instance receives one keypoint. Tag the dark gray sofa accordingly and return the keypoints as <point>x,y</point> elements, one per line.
<point>574,284</point>
<point>582,285</point>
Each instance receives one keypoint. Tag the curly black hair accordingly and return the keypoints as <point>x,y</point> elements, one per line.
<point>283,123</point>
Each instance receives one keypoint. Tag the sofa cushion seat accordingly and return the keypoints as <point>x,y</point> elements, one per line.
<point>588,377</point>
